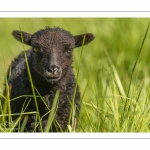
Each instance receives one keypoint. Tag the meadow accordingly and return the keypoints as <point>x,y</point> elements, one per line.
<point>114,71</point>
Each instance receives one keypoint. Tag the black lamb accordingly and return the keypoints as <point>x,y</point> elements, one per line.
<point>50,63</point>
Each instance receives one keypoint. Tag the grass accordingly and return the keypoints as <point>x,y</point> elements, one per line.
<point>114,72</point>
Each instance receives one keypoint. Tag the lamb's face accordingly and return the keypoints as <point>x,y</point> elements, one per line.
<point>52,53</point>
<point>52,50</point>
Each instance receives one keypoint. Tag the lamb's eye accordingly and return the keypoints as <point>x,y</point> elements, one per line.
<point>68,51</point>
<point>36,49</point>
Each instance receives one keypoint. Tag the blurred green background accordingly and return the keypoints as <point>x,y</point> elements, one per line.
<point>120,37</point>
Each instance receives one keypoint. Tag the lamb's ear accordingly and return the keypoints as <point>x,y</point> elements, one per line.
<point>22,36</point>
<point>79,39</point>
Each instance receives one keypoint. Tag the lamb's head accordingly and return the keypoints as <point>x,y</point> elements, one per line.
<point>52,50</point>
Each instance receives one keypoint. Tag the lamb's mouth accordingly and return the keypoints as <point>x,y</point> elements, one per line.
<point>52,79</point>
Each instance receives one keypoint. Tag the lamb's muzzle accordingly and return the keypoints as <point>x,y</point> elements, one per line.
<point>53,73</point>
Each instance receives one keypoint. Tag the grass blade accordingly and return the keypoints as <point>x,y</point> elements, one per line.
<point>24,123</point>
<point>52,113</point>
<point>134,70</point>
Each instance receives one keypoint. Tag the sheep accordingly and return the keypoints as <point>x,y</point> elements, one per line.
<point>50,63</point>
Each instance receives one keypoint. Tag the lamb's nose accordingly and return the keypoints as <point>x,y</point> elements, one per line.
<point>53,69</point>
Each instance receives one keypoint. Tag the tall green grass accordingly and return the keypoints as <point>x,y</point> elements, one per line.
<point>115,94</point>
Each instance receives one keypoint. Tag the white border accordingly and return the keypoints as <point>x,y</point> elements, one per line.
<point>88,141</point>
<point>76,5</point>
<point>76,8</point>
